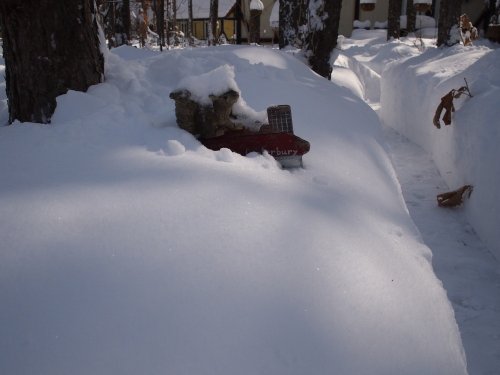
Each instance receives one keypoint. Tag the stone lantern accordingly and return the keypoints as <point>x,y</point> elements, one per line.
<point>256,8</point>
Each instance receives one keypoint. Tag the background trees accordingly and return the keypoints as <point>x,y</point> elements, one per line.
<point>313,26</point>
<point>212,24</point>
<point>160,21</point>
<point>116,21</point>
<point>292,16</point>
<point>449,12</point>
<point>393,17</point>
<point>410,16</point>
<point>57,49</point>
<point>324,17</point>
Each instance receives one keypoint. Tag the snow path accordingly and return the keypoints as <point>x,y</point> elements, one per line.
<point>469,272</point>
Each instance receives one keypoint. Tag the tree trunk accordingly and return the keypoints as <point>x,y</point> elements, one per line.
<point>160,22</point>
<point>324,22</point>
<point>292,15</point>
<point>393,19</point>
<point>126,21</point>
<point>489,13</point>
<point>50,47</point>
<point>449,11</point>
<point>411,15</point>
<point>174,14</point>
<point>121,23</point>
<point>212,24</point>
<point>190,21</point>
<point>239,20</point>
<point>168,23</point>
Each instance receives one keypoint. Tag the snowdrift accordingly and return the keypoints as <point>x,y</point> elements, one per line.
<point>129,248</point>
<point>466,152</point>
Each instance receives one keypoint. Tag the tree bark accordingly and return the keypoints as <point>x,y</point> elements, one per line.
<point>411,15</point>
<point>393,19</point>
<point>174,14</point>
<point>212,24</point>
<point>292,15</point>
<point>190,22</point>
<point>50,47</point>
<point>126,21</point>
<point>160,22</point>
<point>120,23</point>
<point>324,22</point>
<point>449,11</point>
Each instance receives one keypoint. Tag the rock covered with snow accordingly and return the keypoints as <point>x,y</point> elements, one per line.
<point>214,82</point>
<point>256,5</point>
<point>207,92</point>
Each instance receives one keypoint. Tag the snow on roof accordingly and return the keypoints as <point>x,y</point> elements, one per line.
<point>201,8</point>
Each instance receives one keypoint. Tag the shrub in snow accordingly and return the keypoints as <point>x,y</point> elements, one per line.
<point>380,25</point>
<point>361,24</point>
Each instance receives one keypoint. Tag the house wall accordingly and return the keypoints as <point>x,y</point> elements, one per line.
<point>229,29</point>
<point>472,7</point>
<point>346,17</point>
<point>379,14</point>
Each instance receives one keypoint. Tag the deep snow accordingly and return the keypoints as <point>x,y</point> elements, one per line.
<point>127,247</point>
<point>408,78</point>
<point>467,267</point>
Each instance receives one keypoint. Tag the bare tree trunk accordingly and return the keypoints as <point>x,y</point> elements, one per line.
<point>322,37</point>
<point>120,22</point>
<point>56,40</point>
<point>212,24</point>
<point>239,20</point>
<point>126,21</point>
<point>190,21</point>
<point>168,23</point>
<point>411,15</point>
<point>292,15</point>
<point>174,14</point>
<point>449,11</point>
<point>160,22</point>
<point>393,19</point>
<point>489,13</point>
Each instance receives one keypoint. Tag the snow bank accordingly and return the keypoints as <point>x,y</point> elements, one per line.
<point>466,152</point>
<point>4,110</point>
<point>128,247</point>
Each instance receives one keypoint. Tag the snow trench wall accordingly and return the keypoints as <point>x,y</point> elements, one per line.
<point>467,151</point>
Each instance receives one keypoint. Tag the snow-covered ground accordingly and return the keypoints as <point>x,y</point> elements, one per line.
<point>466,266</point>
<point>127,247</point>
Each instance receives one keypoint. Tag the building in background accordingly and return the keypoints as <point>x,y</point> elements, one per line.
<point>234,17</point>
